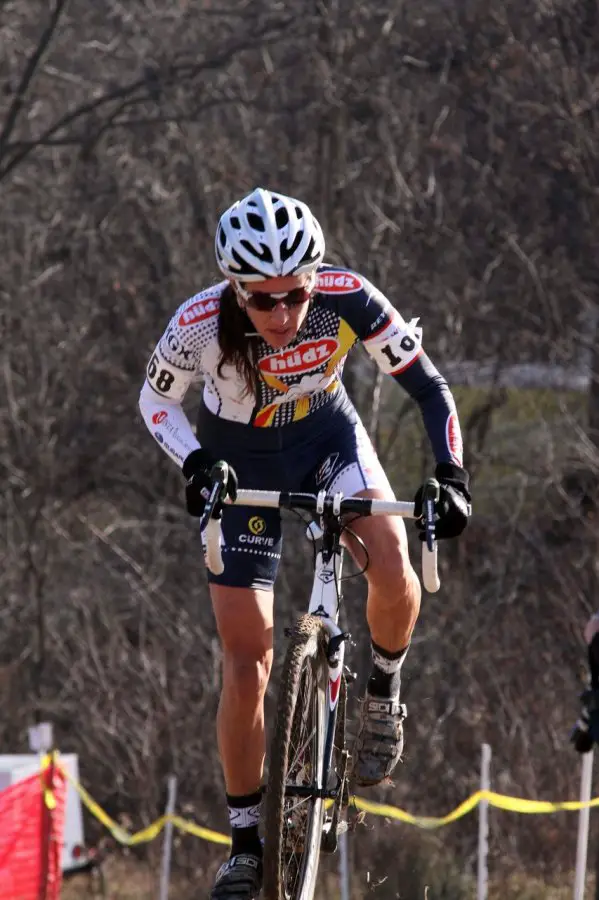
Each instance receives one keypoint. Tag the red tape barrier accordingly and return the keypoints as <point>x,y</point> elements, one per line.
<point>32,813</point>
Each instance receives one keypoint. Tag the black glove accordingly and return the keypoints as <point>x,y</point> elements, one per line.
<point>453,505</point>
<point>196,470</point>
<point>586,731</point>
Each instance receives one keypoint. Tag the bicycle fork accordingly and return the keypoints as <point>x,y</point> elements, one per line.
<point>324,603</point>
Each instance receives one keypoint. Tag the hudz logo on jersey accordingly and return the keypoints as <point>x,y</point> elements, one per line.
<point>198,311</point>
<point>303,358</point>
<point>338,283</point>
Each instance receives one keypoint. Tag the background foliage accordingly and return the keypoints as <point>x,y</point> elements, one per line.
<point>451,152</point>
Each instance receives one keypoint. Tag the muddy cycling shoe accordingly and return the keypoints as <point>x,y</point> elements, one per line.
<point>240,878</point>
<point>379,743</point>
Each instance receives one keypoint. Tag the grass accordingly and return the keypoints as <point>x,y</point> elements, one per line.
<point>128,879</point>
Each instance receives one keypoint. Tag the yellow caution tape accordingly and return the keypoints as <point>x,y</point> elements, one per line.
<point>393,812</point>
<point>535,807</point>
<point>198,831</point>
<point>500,801</point>
<point>49,798</point>
<point>147,834</point>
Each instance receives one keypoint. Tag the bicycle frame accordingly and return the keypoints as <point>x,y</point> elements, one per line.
<point>326,587</point>
<point>325,602</point>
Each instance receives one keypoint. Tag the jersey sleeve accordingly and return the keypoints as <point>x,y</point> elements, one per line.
<point>173,366</point>
<point>168,424</point>
<point>396,347</point>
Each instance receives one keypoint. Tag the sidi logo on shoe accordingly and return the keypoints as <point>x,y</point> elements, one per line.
<point>252,861</point>
<point>380,705</point>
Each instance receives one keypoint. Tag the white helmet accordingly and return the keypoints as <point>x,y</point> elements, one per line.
<point>266,235</point>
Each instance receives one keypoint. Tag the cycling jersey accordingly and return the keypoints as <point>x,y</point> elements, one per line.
<point>299,382</point>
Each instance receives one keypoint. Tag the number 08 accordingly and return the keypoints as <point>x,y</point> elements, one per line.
<point>165,378</point>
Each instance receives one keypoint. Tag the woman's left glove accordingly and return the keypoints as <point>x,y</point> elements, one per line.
<point>453,506</point>
<point>196,469</point>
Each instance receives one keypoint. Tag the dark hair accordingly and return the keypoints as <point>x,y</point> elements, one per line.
<point>236,348</point>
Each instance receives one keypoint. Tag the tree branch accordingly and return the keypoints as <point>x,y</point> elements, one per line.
<point>29,73</point>
<point>166,77</point>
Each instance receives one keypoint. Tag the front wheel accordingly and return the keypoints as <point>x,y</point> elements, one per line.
<point>293,818</point>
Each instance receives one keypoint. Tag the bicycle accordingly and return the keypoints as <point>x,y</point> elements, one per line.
<point>308,750</point>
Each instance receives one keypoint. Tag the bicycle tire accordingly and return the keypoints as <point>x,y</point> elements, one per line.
<point>293,827</point>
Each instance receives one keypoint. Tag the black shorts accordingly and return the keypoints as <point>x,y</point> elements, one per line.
<point>329,450</point>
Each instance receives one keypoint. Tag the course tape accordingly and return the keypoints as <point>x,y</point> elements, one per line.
<point>49,799</point>
<point>499,801</point>
<point>146,834</point>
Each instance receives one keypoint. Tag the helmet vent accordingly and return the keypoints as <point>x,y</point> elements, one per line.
<point>265,253</point>
<point>281,217</point>
<point>286,250</point>
<point>256,222</point>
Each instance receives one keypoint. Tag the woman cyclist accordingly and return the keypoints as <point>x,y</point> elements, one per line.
<point>270,341</point>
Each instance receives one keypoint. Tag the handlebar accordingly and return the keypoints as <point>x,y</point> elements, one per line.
<point>318,504</point>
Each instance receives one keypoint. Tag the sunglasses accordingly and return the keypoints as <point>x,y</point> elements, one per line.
<point>267,302</point>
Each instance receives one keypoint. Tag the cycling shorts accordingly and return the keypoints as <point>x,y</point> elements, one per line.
<point>328,451</point>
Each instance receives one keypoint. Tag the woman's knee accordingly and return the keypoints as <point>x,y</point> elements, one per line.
<point>248,675</point>
<point>389,563</point>
<point>245,627</point>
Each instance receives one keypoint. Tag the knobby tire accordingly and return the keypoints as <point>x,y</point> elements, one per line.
<point>304,670</point>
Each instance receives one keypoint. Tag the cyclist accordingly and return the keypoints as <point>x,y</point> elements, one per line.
<point>270,341</point>
<point>586,731</point>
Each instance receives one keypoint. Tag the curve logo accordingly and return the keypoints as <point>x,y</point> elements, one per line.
<point>198,311</point>
<point>159,417</point>
<point>257,525</point>
<point>338,283</point>
<point>303,358</point>
<point>454,438</point>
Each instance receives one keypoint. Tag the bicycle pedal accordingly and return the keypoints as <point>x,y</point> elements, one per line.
<point>342,826</point>
<point>329,838</point>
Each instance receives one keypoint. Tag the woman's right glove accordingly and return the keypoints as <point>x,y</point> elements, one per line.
<point>196,469</point>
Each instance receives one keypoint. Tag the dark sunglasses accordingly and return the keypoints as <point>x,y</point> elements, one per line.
<point>267,302</point>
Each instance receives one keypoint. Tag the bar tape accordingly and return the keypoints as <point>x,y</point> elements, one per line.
<point>499,801</point>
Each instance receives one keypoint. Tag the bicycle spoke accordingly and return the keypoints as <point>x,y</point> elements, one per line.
<point>292,843</point>
<point>301,772</point>
<point>301,749</point>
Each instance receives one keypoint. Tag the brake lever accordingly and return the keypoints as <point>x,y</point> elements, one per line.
<point>219,475</point>
<point>430,496</point>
